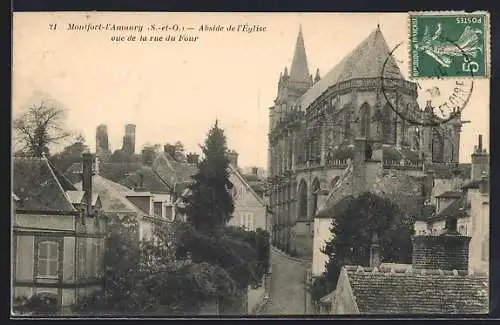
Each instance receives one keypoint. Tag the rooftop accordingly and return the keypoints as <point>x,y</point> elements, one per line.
<point>365,61</point>
<point>402,290</point>
<point>38,188</point>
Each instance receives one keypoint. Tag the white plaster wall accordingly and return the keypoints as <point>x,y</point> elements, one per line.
<point>322,234</point>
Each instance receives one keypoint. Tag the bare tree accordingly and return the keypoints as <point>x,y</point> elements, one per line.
<point>39,126</point>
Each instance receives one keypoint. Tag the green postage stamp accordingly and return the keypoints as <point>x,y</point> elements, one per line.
<point>449,44</point>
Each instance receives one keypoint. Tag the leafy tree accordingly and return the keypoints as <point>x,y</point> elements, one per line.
<point>192,158</point>
<point>210,205</point>
<point>70,154</point>
<point>357,219</point>
<point>176,151</point>
<point>152,279</point>
<point>40,126</point>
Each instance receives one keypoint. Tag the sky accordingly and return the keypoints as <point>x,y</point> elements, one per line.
<point>174,91</point>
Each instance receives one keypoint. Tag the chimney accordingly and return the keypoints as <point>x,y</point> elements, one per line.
<point>255,171</point>
<point>480,160</point>
<point>233,158</point>
<point>87,174</point>
<point>374,251</point>
<point>448,251</point>
<point>484,184</point>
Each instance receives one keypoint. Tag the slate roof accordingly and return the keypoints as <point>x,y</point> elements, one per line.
<point>113,196</point>
<point>407,291</point>
<point>117,171</point>
<point>147,178</point>
<point>457,209</point>
<point>450,195</point>
<point>173,171</point>
<point>365,61</point>
<point>37,187</point>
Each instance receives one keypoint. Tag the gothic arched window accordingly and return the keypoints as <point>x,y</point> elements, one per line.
<point>365,125</point>
<point>387,123</point>
<point>302,201</point>
<point>347,125</point>
<point>315,192</point>
<point>437,146</point>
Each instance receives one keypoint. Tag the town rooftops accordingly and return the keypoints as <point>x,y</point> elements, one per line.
<point>365,61</point>
<point>403,290</point>
<point>113,196</point>
<point>76,197</point>
<point>147,178</point>
<point>36,185</point>
<point>457,209</point>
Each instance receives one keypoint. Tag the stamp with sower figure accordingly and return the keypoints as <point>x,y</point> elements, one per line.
<point>449,44</point>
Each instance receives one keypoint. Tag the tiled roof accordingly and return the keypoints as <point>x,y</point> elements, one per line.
<point>173,171</point>
<point>37,186</point>
<point>407,291</point>
<point>117,171</point>
<point>113,196</point>
<point>457,209</point>
<point>150,180</point>
<point>73,173</point>
<point>365,61</point>
<point>450,194</point>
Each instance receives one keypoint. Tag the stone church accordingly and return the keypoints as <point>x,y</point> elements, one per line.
<point>314,123</point>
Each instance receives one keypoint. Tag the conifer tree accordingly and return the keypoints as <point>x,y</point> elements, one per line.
<point>209,206</point>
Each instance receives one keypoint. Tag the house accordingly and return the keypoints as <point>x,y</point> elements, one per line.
<point>58,233</point>
<point>121,201</point>
<point>470,207</point>
<point>437,282</point>
<point>405,188</point>
<point>147,179</point>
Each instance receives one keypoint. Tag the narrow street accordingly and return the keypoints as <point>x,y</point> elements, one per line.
<point>287,296</point>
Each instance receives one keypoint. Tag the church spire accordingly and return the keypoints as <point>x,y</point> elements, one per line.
<point>299,71</point>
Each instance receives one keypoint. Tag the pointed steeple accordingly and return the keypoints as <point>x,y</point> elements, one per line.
<point>317,77</point>
<point>285,74</point>
<point>299,71</point>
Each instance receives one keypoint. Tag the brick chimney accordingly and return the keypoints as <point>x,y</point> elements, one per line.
<point>87,162</point>
<point>480,160</point>
<point>374,251</point>
<point>233,158</point>
<point>448,251</point>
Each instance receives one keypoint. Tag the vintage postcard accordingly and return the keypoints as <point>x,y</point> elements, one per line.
<point>271,164</point>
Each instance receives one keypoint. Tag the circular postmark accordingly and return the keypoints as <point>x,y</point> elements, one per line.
<point>445,97</point>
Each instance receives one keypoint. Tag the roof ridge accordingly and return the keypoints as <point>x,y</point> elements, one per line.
<point>235,170</point>
<point>59,184</point>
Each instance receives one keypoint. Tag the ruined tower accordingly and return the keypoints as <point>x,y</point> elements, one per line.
<point>101,139</point>
<point>129,139</point>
